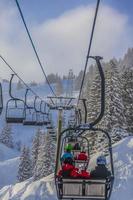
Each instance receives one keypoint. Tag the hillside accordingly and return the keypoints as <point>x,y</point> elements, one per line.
<point>45,189</point>
<point>8,165</point>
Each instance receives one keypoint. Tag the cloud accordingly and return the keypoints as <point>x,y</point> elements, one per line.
<point>62,42</point>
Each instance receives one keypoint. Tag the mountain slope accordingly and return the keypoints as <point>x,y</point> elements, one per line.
<point>8,165</point>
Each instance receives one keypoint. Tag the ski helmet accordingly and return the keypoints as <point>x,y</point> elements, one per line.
<point>101,160</point>
<point>68,147</point>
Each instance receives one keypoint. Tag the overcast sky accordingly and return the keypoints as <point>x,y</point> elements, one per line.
<point>61,30</point>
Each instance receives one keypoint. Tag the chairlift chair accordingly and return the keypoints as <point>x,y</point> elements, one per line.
<point>30,118</point>
<point>79,188</point>
<point>45,113</point>
<point>39,114</point>
<point>72,188</point>
<point>15,107</point>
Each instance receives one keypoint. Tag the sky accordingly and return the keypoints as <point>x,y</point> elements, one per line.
<point>61,31</point>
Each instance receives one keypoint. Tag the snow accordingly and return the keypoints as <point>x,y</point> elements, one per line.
<point>8,165</point>
<point>7,153</point>
<point>8,171</point>
<point>130,144</point>
<point>44,189</point>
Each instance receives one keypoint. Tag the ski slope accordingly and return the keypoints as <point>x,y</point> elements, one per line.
<point>9,161</point>
<point>44,189</point>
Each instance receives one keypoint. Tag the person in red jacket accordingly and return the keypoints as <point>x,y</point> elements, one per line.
<point>82,156</point>
<point>66,170</point>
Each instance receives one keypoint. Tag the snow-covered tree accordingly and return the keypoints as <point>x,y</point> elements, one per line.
<point>114,116</point>
<point>35,148</point>
<point>6,136</point>
<point>114,108</point>
<point>19,85</point>
<point>18,145</point>
<point>44,165</point>
<point>127,95</point>
<point>59,87</point>
<point>25,167</point>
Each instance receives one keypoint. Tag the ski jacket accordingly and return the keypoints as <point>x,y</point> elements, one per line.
<point>85,174</point>
<point>66,170</point>
<point>75,173</point>
<point>100,171</point>
<point>81,156</point>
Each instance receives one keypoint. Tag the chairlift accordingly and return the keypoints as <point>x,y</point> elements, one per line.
<point>30,112</point>
<point>45,112</point>
<point>81,188</point>
<point>39,114</point>
<point>1,99</point>
<point>72,188</point>
<point>15,107</point>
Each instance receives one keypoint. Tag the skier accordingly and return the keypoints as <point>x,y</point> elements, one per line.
<point>100,170</point>
<point>67,156</point>
<point>77,146</point>
<point>82,156</point>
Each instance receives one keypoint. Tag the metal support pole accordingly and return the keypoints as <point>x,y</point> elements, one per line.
<point>58,140</point>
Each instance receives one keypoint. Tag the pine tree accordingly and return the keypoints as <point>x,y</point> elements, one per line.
<point>114,109</point>
<point>35,148</point>
<point>19,85</point>
<point>25,167</point>
<point>44,165</point>
<point>59,88</point>
<point>6,136</point>
<point>18,145</point>
<point>127,95</point>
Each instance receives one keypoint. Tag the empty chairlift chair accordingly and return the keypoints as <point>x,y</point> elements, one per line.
<point>15,107</point>
<point>44,114</point>
<point>30,113</point>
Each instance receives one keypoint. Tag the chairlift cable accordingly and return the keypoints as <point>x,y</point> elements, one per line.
<point>33,46</point>
<point>89,48</point>
<point>19,77</point>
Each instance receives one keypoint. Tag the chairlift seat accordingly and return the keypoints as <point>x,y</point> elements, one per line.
<point>15,111</point>
<point>39,123</point>
<point>14,120</point>
<point>29,123</point>
<point>82,189</point>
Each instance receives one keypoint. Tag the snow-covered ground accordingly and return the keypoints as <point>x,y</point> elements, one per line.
<point>44,189</point>
<point>8,165</point>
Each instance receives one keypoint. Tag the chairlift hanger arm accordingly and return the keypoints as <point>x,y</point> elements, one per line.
<point>10,90</point>
<point>1,98</point>
<point>85,109</point>
<point>97,59</point>
<point>36,97</point>
<point>27,90</point>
